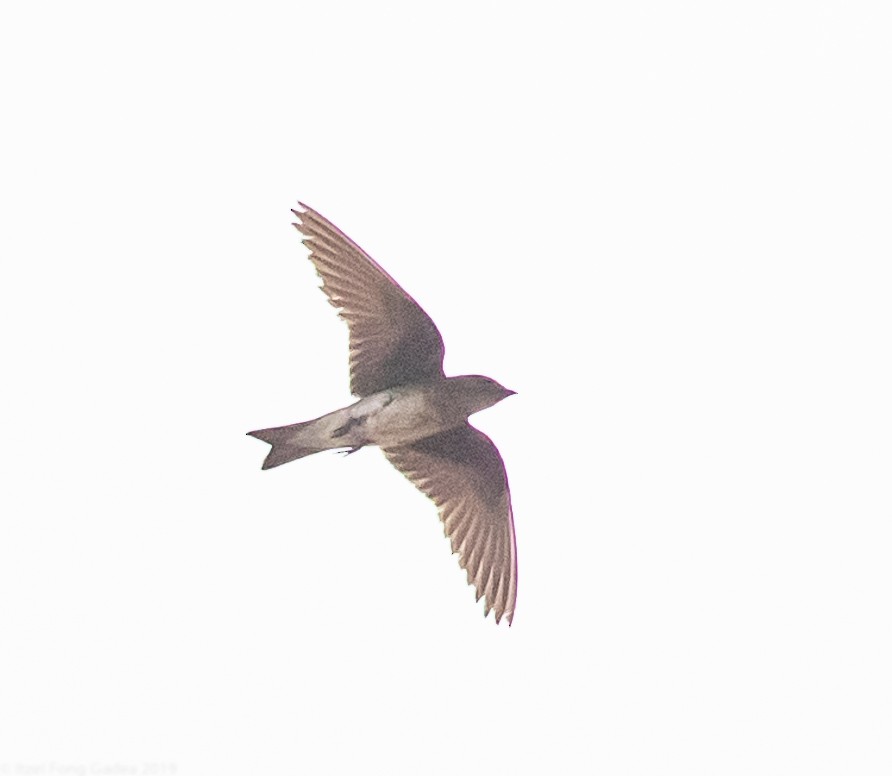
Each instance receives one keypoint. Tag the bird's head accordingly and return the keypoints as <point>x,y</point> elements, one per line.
<point>475,392</point>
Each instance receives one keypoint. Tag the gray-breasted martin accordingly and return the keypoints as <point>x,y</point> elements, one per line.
<point>412,411</point>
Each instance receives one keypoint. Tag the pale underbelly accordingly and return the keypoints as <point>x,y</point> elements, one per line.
<point>397,417</point>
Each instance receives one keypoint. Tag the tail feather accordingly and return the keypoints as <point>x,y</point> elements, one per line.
<point>287,443</point>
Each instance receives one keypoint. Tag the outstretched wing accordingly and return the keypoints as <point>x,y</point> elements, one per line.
<point>462,472</point>
<point>392,340</point>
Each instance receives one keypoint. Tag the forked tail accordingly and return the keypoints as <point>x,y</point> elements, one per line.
<point>288,443</point>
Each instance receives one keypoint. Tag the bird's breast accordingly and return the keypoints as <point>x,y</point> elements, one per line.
<point>399,416</point>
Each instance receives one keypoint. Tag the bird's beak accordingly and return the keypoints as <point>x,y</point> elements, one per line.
<point>510,393</point>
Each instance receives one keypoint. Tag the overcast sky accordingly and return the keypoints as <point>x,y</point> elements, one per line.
<point>665,225</point>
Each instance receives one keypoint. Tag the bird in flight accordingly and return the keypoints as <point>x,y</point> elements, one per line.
<point>412,411</point>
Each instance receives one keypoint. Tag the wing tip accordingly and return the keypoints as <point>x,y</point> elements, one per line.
<point>300,213</point>
<point>508,615</point>
<point>498,611</point>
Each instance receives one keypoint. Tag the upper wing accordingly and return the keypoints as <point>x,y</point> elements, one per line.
<point>392,340</point>
<point>462,472</point>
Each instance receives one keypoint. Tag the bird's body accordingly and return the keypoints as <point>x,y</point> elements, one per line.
<point>390,418</point>
<point>409,408</point>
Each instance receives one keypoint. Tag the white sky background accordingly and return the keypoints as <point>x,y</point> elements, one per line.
<point>666,225</point>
